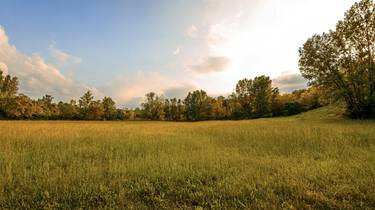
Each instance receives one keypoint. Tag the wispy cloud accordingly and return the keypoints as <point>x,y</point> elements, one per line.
<point>177,51</point>
<point>64,58</point>
<point>210,64</point>
<point>192,31</point>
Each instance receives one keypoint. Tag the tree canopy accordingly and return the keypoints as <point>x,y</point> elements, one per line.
<point>342,60</point>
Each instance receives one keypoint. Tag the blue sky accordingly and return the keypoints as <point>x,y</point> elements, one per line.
<point>126,48</point>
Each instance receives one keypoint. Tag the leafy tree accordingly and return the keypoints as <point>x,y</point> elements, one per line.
<point>109,106</point>
<point>167,110</point>
<point>84,104</point>
<point>19,107</point>
<point>180,112</point>
<point>234,106</point>
<point>173,110</point>
<point>245,97</point>
<point>343,60</point>
<point>48,110</point>
<point>277,105</point>
<point>254,96</point>
<point>262,93</point>
<point>120,114</point>
<point>95,111</point>
<point>219,109</point>
<point>68,111</point>
<point>8,85</point>
<point>197,105</point>
<point>153,107</point>
<point>85,100</point>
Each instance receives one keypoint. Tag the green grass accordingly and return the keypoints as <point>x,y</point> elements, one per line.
<point>295,162</point>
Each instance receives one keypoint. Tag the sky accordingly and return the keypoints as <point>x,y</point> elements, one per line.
<point>127,48</point>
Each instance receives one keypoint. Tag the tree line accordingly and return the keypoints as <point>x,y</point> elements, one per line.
<point>252,98</point>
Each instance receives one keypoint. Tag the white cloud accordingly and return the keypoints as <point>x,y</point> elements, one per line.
<point>64,58</point>
<point>37,77</point>
<point>177,51</point>
<point>4,68</point>
<point>192,31</point>
<point>217,34</point>
<point>3,37</point>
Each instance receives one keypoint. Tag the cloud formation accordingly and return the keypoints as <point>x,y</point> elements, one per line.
<point>210,64</point>
<point>289,81</point>
<point>192,31</point>
<point>64,58</point>
<point>3,68</point>
<point>36,76</point>
<point>177,51</point>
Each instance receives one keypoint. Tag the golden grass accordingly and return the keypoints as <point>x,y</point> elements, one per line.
<point>264,164</point>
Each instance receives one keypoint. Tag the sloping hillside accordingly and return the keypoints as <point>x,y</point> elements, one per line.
<point>331,112</point>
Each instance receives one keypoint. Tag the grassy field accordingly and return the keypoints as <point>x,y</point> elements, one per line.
<point>296,162</point>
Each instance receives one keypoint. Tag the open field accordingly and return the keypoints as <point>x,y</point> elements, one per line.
<point>296,162</point>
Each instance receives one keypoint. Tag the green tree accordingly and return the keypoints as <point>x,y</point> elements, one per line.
<point>8,86</point>
<point>262,93</point>
<point>49,110</point>
<point>109,106</point>
<point>245,97</point>
<point>153,107</point>
<point>197,105</point>
<point>219,109</point>
<point>68,111</point>
<point>19,107</point>
<point>167,110</point>
<point>84,104</point>
<point>180,112</point>
<point>95,111</point>
<point>342,61</point>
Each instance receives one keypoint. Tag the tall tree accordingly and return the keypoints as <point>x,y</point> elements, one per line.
<point>343,60</point>
<point>244,95</point>
<point>109,108</point>
<point>19,107</point>
<point>8,85</point>
<point>197,105</point>
<point>153,107</point>
<point>95,111</point>
<point>49,110</point>
<point>84,104</point>
<point>68,111</point>
<point>263,93</point>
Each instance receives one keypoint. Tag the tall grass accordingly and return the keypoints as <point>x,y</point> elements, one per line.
<point>262,164</point>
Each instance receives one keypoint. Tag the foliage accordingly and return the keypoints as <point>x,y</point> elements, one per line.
<point>153,107</point>
<point>343,61</point>
<point>197,105</point>
<point>8,86</point>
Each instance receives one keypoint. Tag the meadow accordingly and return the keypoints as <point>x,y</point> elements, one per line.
<point>300,162</point>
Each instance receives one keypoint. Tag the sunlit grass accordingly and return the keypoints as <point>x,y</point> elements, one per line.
<point>266,163</point>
